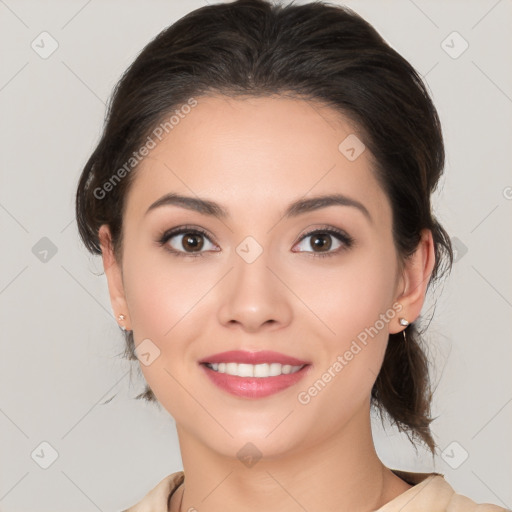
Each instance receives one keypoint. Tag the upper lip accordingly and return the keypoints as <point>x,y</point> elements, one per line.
<point>260,357</point>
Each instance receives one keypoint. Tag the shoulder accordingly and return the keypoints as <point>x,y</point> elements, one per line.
<point>157,498</point>
<point>430,491</point>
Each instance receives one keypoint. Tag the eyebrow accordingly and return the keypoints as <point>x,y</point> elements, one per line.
<point>296,208</point>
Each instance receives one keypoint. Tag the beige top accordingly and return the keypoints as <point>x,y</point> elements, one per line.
<point>430,493</point>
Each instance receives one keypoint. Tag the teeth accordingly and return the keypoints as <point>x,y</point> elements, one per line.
<point>254,370</point>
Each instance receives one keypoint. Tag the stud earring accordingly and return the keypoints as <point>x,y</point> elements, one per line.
<point>122,318</point>
<point>405,323</point>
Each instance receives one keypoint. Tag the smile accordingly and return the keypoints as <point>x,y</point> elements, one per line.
<point>259,371</point>
<point>245,380</point>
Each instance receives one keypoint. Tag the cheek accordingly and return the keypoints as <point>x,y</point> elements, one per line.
<point>348,296</point>
<point>354,303</point>
<point>163,292</point>
<point>166,301</point>
<point>170,304</point>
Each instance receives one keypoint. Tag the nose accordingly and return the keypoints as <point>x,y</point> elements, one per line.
<point>253,297</point>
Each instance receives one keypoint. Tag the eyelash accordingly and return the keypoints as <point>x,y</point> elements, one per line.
<point>181,231</point>
<point>343,237</point>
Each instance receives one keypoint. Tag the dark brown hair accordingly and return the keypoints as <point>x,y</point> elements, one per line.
<point>315,51</point>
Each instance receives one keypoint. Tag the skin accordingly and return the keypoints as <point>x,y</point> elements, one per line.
<point>254,156</point>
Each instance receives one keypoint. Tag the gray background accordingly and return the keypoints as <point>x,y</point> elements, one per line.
<point>60,363</point>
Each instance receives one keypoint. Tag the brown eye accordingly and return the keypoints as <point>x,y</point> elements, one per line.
<point>192,242</point>
<point>187,242</point>
<point>321,241</point>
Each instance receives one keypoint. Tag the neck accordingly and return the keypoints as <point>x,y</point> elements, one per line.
<point>342,472</point>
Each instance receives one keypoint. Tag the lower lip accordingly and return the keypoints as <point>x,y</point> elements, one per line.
<point>254,387</point>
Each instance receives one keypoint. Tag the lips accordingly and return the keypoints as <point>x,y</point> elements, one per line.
<point>263,356</point>
<point>253,374</point>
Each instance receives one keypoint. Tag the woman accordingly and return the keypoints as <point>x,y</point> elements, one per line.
<point>261,201</point>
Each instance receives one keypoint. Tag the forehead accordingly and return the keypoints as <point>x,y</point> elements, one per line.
<point>254,152</point>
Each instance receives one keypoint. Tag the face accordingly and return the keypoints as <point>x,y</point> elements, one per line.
<point>316,284</point>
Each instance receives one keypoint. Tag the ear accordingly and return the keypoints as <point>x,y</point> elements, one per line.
<point>414,281</point>
<point>114,278</point>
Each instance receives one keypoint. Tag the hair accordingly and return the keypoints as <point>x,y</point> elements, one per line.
<point>316,51</point>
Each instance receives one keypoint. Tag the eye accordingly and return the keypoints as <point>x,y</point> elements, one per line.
<point>186,241</point>
<point>321,241</point>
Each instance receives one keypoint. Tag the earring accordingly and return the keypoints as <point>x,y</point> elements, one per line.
<point>121,318</point>
<point>405,323</point>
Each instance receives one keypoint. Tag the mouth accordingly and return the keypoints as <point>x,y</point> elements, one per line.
<point>253,374</point>
<point>259,371</point>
